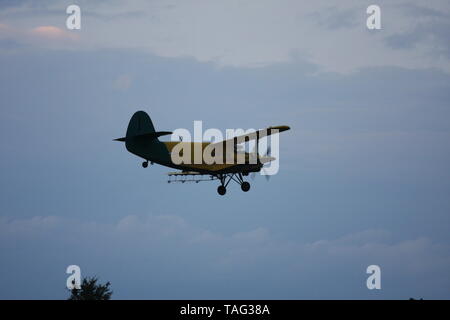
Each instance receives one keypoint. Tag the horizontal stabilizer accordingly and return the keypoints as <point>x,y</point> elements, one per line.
<point>150,136</point>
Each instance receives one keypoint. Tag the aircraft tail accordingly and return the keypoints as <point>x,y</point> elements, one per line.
<point>142,139</point>
<point>140,123</point>
<point>141,127</point>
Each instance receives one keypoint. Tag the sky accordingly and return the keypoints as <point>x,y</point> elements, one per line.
<point>364,171</point>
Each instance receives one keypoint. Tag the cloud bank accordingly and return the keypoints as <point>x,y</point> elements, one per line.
<point>145,255</point>
<point>331,35</point>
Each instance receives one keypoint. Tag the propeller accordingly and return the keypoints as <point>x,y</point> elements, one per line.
<point>266,154</point>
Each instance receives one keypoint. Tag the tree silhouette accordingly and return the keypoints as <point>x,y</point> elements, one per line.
<point>91,290</point>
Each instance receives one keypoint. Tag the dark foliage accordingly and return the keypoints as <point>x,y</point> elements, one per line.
<point>91,290</point>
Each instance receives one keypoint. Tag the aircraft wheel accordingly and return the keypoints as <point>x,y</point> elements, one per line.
<point>221,190</point>
<point>145,164</point>
<point>245,186</point>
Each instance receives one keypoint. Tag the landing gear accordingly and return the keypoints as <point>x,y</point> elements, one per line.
<point>225,180</point>
<point>245,186</point>
<point>145,164</point>
<point>221,190</point>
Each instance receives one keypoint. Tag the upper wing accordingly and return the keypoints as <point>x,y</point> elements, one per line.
<point>250,136</point>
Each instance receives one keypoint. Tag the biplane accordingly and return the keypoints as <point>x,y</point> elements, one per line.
<point>143,141</point>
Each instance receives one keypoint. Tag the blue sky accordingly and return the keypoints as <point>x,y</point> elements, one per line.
<point>363,174</point>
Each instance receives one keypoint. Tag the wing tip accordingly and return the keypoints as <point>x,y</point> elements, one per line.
<point>280,128</point>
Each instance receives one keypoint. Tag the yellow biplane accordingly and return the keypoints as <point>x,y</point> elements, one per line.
<point>226,162</point>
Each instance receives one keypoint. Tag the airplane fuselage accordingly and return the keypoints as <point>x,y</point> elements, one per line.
<point>161,153</point>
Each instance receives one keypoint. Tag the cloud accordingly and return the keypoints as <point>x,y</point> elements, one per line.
<point>5,4</point>
<point>427,29</point>
<point>164,244</point>
<point>41,36</point>
<point>335,18</point>
<point>51,32</point>
<point>266,32</point>
<point>432,34</point>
